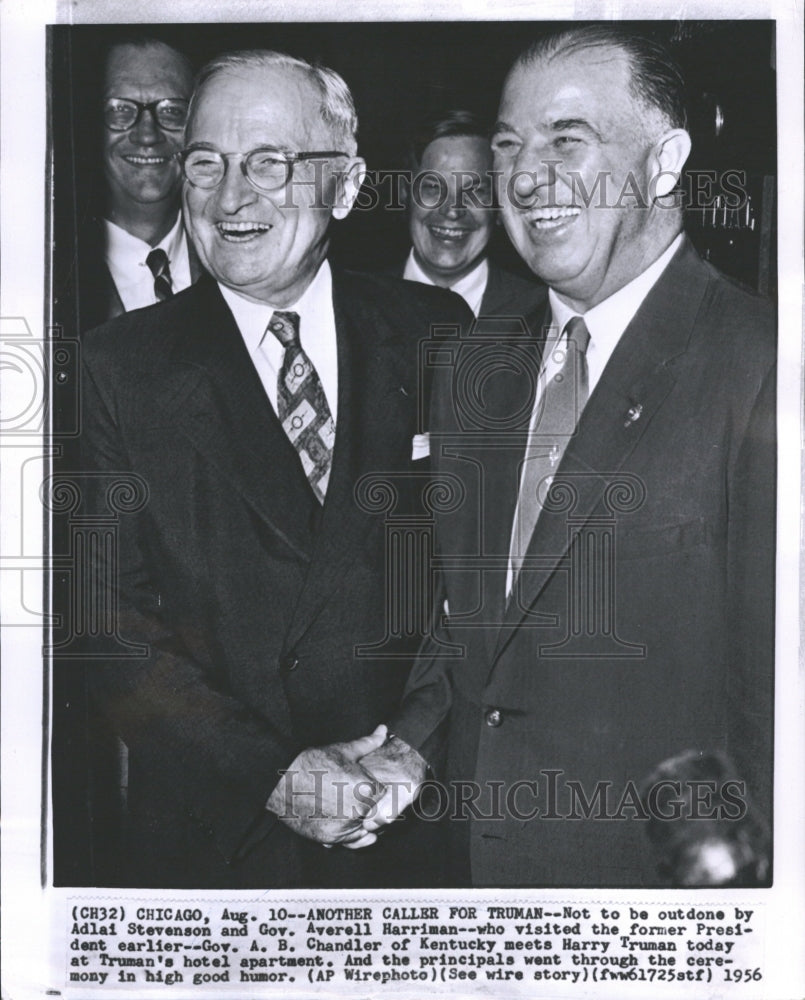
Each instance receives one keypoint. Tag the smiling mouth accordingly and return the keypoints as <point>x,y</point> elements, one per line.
<point>146,161</point>
<point>449,234</point>
<point>551,218</point>
<point>242,232</point>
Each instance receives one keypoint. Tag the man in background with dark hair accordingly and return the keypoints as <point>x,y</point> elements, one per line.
<point>147,257</point>
<point>609,575</point>
<point>452,215</point>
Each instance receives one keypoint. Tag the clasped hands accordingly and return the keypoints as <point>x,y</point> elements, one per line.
<point>345,793</point>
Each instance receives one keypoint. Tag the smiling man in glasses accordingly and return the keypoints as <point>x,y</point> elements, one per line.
<point>147,86</point>
<point>252,406</point>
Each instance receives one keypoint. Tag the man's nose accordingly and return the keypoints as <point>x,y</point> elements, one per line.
<point>147,131</point>
<point>453,207</point>
<point>234,190</point>
<point>533,174</point>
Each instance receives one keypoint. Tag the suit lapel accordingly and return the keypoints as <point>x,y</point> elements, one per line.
<point>641,374</point>
<point>215,396</point>
<point>494,300</point>
<point>113,304</point>
<point>483,449</point>
<point>196,270</point>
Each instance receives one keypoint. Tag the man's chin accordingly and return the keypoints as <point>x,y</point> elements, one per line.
<point>242,280</point>
<point>150,184</point>
<point>165,191</point>
<point>556,269</point>
<point>155,196</point>
<point>451,268</point>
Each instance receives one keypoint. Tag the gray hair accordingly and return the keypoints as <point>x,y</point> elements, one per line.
<point>337,106</point>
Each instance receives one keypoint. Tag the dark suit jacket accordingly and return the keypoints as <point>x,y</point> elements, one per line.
<point>99,299</point>
<point>509,294</point>
<point>645,623</point>
<point>249,600</point>
<point>506,294</point>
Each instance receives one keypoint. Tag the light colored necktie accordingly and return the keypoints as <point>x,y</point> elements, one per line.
<point>157,262</point>
<point>559,409</point>
<point>302,406</point>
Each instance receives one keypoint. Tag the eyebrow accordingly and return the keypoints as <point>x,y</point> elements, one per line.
<point>568,124</point>
<point>560,125</point>
<point>503,127</point>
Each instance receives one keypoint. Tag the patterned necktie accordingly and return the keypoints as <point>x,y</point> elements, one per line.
<point>157,261</point>
<point>559,409</point>
<point>302,406</point>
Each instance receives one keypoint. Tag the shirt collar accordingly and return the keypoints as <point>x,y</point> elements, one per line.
<point>471,287</point>
<point>611,317</point>
<point>120,244</point>
<point>252,317</point>
<point>170,244</point>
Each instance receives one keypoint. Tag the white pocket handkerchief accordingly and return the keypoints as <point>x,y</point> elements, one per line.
<point>420,446</point>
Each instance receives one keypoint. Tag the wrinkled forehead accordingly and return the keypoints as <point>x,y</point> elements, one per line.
<point>153,69</point>
<point>599,77</point>
<point>266,104</point>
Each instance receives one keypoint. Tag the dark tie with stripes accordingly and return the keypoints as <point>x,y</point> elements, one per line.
<point>157,261</point>
<point>563,399</point>
<point>302,406</point>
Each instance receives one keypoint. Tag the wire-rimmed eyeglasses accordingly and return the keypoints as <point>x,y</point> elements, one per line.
<point>265,168</point>
<point>122,113</point>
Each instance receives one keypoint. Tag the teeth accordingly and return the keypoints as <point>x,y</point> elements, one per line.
<point>445,233</point>
<point>551,213</point>
<point>242,232</point>
<point>147,160</point>
<point>551,217</point>
<point>243,227</point>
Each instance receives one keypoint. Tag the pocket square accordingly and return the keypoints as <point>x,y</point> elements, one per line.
<point>420,446</point>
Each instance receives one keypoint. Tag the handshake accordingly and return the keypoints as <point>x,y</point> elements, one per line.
<point>345,793</point>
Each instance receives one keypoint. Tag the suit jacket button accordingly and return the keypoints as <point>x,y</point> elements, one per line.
<point>494,717</point>
<point>290,663</point>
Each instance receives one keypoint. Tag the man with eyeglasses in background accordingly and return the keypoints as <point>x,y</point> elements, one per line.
<point>255,408</point>
<point>147,85</point>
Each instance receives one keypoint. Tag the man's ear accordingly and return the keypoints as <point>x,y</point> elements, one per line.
<point>348,184</point>
<point>670,154</point>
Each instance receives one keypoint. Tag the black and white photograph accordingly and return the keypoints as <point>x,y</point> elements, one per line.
<point>411,437</point>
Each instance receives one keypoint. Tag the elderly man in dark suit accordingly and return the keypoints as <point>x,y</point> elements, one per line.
<point>452,213</point>
<point>610,574</point>
<point>249,408</point>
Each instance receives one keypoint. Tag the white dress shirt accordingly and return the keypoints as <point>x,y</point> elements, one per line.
<point>471,287</point>
<point>606,323</point>
<point>126,256</point>
<point>316,335</point>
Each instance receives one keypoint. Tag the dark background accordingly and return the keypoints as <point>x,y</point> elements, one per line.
<point>397,72</point>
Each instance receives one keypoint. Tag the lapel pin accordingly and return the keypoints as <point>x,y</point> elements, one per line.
<point>403,390</point>
<point>633,414</point>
